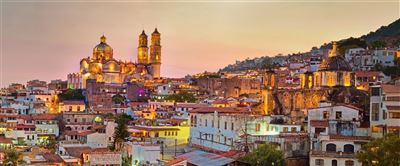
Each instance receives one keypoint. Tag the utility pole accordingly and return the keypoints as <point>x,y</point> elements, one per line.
<point>162,150</point>
<point>175,147</point>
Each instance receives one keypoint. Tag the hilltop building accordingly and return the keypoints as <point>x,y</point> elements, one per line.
<point>103,67</point>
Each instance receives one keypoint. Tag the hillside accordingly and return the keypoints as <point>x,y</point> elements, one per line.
<point>385,36</point>
<point>391,30</point>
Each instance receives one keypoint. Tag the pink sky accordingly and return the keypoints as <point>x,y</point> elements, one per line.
<point>46,40</point>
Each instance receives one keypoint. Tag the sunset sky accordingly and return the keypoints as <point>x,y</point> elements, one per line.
<point>46,40</point>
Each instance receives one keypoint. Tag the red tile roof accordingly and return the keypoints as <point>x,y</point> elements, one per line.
<point>393,107</point>
<point>176,161</point>
<point>191,105</point>
<point>45,116</point>
<point>239,110</point>
<point>78,150</point>
<point>4,140</point>
<point>54,158</point>
<point>24,126</point>
<point>73,102</point>
<point>343,137</point>
<point>390,88</point>
<point>319,123</point>
<point>367,73</point>
<point>154,128</point>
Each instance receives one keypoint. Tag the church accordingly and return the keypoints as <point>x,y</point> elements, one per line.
<point>103,67</point>
<point>334,81</point>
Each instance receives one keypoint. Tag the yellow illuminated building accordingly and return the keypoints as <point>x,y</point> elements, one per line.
<point>180,133</point>
<point>334,71</point>
<point>102,66</point>
<point>333,75</point>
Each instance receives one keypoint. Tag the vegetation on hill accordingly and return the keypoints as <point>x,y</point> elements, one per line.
<point>13,157</point>
<point>255,63</point>
<point>182,97</point>
<point>266,154</point>
<point>381,151</point>
<point>118,99</point>
<point>71,94</point>
<point>121,131</point>
<point>374,40</point>
<point>392,29</point>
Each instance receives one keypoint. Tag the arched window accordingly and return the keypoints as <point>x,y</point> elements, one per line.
<point>349,163</point>
<point>331,148</point>
<point>319,162</point>
<point>334,162</point>
<point>348,148</point>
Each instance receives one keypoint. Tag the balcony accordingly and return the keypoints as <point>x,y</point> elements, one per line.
<point>316,153</point>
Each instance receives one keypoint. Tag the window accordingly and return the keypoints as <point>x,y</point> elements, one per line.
<point>394,115</point>
<point>319,162</point>
<point>326,115</point>
<point>349,163</point>
<point>375,91</point>
<point>384,114</point>
<point>285,129</point>
<point>293,129</point>
<point>70,108</point>
<point>348,148</point>
<point>205,123</point>
<point>331,148</point>
<point>258,126</point>
<point>212,123</point>
<point>225,125</point>
<point>375,112</point>
<point>338,115</point>
<point>232,126</point>
<point>78,108</point>
<point>334,162</point>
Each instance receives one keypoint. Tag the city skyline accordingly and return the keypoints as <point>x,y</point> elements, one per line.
<point>46,40</point>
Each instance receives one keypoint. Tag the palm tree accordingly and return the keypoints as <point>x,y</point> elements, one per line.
<point>13,158</point>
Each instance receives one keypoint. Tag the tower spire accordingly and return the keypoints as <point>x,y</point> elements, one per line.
<point>103,39</point>
<point>334,49</point>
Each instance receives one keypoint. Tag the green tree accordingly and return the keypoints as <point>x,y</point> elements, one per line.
<point>181,97</point>
<point>381,152</point>
<point>127,161</point>
<point>118,99</point>
<point>265,155</point>
<point>71,94</point>
<point>378,44</point>
<point>52,144</point>
<point>13,158</point>
<point>121,132</point>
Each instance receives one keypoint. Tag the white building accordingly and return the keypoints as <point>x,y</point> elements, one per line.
<point>72,106</point>
<point>385,110</point>
<point>144,153</point>
<point>385,57</point>
<point>350,53</point>
<point>220,129</point>
<point>335,135</point>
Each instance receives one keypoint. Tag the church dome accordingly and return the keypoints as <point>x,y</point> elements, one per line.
<point>335,63</point>
<point>103,49</point>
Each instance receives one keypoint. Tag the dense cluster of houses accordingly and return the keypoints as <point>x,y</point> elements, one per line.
<point>232,114</point>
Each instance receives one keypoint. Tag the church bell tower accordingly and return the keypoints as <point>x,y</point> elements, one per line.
<point>143,55</point>
<point>155,54</point>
